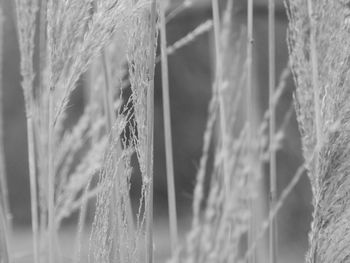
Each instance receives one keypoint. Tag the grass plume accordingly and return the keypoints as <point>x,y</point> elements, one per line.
<point>319,52</point>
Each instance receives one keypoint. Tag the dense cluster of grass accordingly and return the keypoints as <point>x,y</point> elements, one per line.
<point>90,163</point>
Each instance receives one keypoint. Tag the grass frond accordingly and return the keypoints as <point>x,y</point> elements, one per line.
<point>319,55</point>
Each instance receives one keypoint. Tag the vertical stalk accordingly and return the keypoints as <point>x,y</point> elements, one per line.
<point>40,224</point>
<point>272,124</point>
<point>51,179</point>
<point>249,105</point>
<point>5,216</point>
<point>32,179</point>
<point>250,43</point>
<point>218,88</point>
<point>41,164</point>
<point>3,175</point>
<point>218,70</point>
<point>168,136</point>
<point>150,130</point>
<point>26,13</point>
<point>4,251</point>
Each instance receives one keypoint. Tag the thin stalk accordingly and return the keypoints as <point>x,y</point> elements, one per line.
<point>250,120</point>
<point>4,252</point>
<point>272,124</point>
<point>168,136</point>
<point>218,67</point>
<point>33,182</point>
<point>5,216</point>
<point>250,43</point>
<point>150,130</point>
<point>219,89</point>
<point>51,179</point>
<point>3,175</point>
<point>42,44</point>
<point>27,71</point>
<point>39,224</point>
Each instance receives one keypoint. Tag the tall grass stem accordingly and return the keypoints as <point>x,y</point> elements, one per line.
<point>5,216</point>
<point>3,174</point>
<point>4,251</point>
<point>33,183</point>
<point>150,137</point>
<point>51,178</point>
<point>249,112</point>
<point>167,133</point>
<point>272,130</point>
<point>26,20</point>
<point>218,87</point>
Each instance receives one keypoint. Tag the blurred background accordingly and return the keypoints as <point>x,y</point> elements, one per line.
<point>190,72</point>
